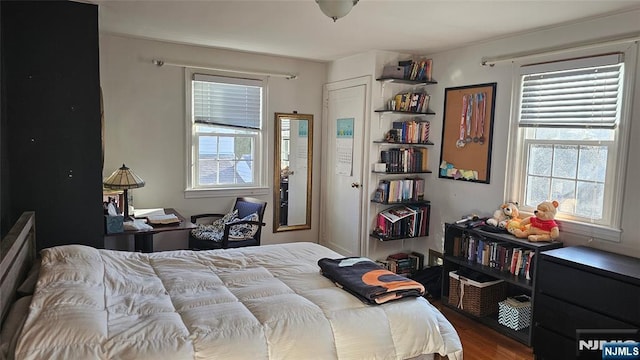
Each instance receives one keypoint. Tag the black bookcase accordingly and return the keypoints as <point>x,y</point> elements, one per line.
<point>516,285</point>
<point>51,120</point>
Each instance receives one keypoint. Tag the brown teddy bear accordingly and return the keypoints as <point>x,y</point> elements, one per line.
<point>541,226</point>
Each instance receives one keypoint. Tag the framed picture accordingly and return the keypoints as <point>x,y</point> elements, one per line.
<point>378,196</point>
<point>467,133</point>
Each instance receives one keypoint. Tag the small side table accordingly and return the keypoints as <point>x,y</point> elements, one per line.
<point>144,238</point>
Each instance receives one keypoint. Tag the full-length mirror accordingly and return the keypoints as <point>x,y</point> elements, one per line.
<point>292,172</point>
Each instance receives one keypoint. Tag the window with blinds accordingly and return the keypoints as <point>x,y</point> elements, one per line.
<point>229,102</point>
<point>578,93</point>
<point>568,138</point>
<point>227,130</point>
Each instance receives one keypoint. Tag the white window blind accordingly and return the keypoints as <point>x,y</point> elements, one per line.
<point>227,102</point>
<point>578,93</point>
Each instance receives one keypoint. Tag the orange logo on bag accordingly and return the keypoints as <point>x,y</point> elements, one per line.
<point>373,278</point>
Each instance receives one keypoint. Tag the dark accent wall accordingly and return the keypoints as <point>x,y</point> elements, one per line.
<point>50,126</point>
<point>4,213</point>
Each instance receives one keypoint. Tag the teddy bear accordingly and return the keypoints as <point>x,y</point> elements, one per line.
<point>513,224</point>
<point>541,226</point>
<point>502,217</point>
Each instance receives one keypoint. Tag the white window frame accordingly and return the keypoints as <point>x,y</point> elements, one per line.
<point>517,158</point>
<point>261,141</point>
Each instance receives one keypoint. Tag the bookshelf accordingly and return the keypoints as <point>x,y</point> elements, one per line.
<point>402,166</point>
<point>492,254</point>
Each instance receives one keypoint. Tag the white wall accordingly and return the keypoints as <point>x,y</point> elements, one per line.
<point>452,199</point>
<point>144,124</point>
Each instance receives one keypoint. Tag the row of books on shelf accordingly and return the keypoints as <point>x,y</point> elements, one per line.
<point>420,69</point>
<point>400,190</point>
<point>411,102</point>
<point>413,132</point>
<point>403,263</point>
<point>499,255</point>
<point>405,159</point>
<point>403,221</point>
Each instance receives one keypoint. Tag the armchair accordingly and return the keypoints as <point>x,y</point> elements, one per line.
<point>240,227</point>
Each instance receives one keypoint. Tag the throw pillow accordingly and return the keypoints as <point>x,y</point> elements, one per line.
<point>244,231</point>
<point>214,231</point>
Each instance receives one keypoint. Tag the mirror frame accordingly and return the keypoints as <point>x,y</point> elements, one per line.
<point>276,170</point>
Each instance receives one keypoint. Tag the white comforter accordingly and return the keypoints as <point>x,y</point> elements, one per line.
<point>267,302</point>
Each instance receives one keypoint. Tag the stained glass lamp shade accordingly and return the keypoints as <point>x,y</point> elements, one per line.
<point>123,179</point>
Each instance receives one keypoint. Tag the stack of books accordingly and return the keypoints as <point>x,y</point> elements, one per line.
<point>403,263</point>
<point>403,221</point>
<point>407,159</point>
<point>400,190</point>
<point>499,255</point>
<point>411,102</point>
<point>410,132</point>
<point>420,69</point>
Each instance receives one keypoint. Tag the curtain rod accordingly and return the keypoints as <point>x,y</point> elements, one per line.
<point>159,63</point>
<point>620,39</point>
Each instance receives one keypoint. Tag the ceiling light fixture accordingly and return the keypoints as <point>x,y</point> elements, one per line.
<point>336,9</point>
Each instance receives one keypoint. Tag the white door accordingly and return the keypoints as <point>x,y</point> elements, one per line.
<point>342,191</point>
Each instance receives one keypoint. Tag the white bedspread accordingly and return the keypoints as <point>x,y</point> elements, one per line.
<point>267,302</point>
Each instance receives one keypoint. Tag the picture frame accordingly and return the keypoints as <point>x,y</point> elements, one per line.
<point>378,196</point>
<point>467,133</point>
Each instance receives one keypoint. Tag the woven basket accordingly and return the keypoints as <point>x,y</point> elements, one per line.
<point>479,299</point>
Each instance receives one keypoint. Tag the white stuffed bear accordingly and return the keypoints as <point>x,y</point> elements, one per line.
<point>502,216</point>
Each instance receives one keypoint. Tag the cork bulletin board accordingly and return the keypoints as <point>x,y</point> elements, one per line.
<point>467,133</point>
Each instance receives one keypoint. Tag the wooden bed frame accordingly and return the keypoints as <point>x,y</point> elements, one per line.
<point>17,252</point>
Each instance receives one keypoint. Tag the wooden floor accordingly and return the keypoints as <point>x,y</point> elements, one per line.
<point>482,343</point>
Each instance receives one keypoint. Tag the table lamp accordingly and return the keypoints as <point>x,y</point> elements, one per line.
<point>124,179</point>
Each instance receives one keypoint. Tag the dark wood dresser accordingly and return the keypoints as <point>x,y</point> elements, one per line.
<point>582,288</point>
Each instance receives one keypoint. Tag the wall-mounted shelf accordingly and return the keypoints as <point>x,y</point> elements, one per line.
<point>384,142</point>
<point>401,172</point>
<point>392,238</point>
<point>406,81</point>
<point>426,202</point>
<point>385,111</point>
<point>387,80</point>
<point>402,147</point>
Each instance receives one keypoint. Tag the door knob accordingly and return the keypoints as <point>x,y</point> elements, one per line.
<point>355,185</point>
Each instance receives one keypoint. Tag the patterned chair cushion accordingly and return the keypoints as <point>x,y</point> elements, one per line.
<point>214,231</point>
<point>244,231</point>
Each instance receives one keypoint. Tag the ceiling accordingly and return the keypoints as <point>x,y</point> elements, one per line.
<point>297,28</point>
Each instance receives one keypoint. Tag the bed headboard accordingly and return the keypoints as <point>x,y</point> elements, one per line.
<point>17,251</point>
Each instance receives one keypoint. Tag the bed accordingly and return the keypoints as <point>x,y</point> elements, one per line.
<point>267,302</point>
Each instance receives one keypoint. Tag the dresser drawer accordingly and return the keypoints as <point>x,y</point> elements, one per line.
<point>565,318</point>
<point>595,292</point>
<point>548,345</point>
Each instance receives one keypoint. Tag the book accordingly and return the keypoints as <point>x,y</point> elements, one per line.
<point>428,69</point>
<point>419,258</point>
<point>527,270</point>
<point>514,260</point>
<point>163,219</point>
<point>397,213</point>
<point>143,213</point>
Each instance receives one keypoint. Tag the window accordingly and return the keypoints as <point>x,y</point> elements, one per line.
<point>569,144</point>
<point>225,122</point>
